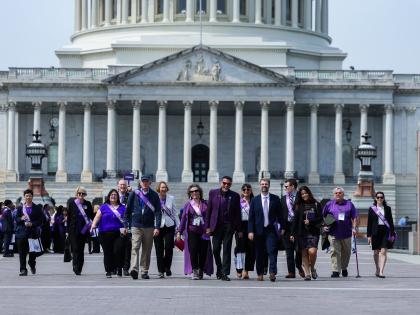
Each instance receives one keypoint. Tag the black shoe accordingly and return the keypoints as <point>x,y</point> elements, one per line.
<point>126,273</point>
<point>119,272</point>
<point>335,274</point>
<point>225,278</point>
<point>168,273</point>
<point>344,273</point>
<point>109,274</point>
<point>219,276</point>
<point>145,276</point>
<point>134,274</point>
<point>272,277</point>
<point>161,275</point>
<point>77,273</point>
<point>33,270</point>
<point>23,273</point>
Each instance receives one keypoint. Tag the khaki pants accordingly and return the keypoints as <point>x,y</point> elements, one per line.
<point>340,254</point>
<point>141,237</point>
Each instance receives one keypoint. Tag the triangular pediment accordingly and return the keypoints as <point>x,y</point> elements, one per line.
<point>200,65</point>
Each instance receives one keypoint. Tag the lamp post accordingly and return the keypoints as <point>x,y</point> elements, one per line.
<point>365,152</point>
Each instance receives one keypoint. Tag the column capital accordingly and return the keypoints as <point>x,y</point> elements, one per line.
<point>62,105</point>
<point>338,107</point>
<point>3,107</point>
<point>265,104</point>
<point>136,104</point>
<point>314,108</point>
<point>37,104</point>
<point>187,104</point>
<point>410,109</point>
<point>110,104</point>
<point>364,107</point>
<point>11,105</point>
<point>239,104</point>
<point>389,108</point>
<point>162,104</point>
<point>87,105</point>
<point>213,104</point>
<point>290,105</point>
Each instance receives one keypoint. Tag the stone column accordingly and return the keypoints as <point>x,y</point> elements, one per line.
<point>236,12</point>
<point>283,12</point>
<point>389,176</point>
<point>258,12</point>
<point>213,173</point>
<point>108,12</point>
<point>16,146</point>
<point>308,15</point>
<point>238,173</point>
<point>290,171</point>
<point>339,178</point>
<point>165,11</point>
<point>313,177</point>
<point>144,11</point>
<point>213,11</point>
<point>124,9</point>
<point>136,157</point>
<point>295,13</point>
<point>318,16</point>
<point>84,15</point>
<point>11,174</point>
<point>189,16</point>
<point>161,173</point>
<point>119,13</point>
<point>111,140</point>
<point>94,14</point>
<point>363,120</point>
<point>61,174</point>
<point>187,174</point>
<point>87,176</point>
<point>277,12</point>
<point>77,15</point>
<point>133,11</point>
<point>37,116</point>
<point>264,170</point>
<point>324,22</point>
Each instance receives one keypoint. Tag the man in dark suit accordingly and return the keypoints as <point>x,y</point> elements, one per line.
<point>123,195</point>
<point>293,254</point>
<point>222,220</point>
<point>264,226</point>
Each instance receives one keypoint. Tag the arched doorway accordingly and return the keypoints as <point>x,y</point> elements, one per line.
<point>200,162</point>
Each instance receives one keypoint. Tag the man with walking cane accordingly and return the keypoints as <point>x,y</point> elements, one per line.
<point>341,233</point>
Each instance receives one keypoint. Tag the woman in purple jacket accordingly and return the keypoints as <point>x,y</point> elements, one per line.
<point>112,234</point>
<point>197,252</point>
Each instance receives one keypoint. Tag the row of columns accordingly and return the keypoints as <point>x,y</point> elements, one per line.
<point>213,174</point>
<point>82,12</point>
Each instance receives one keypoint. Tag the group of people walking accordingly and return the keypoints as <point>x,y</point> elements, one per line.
<point>131,220</point>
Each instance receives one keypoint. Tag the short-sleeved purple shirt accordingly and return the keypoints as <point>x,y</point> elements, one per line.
<point>343,228</point>
<point>109,221</point>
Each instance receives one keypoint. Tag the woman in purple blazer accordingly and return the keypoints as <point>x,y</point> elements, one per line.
<point>197,251</point>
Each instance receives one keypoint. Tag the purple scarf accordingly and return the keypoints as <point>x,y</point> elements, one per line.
<point>144,199</point>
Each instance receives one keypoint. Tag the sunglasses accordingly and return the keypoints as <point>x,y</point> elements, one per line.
<point>81,194</point>
<point>380,197</point>
<point>246,189</point>
<point>194,191</point>
<point>286,186</point>
<point>226,183</point>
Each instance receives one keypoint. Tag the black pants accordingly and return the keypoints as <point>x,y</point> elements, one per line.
<point>164,246</point>
<point>223,235</point>
<point>198,250</point>
<point>46,237</point>
<point>77,243</point>
<point>23,250</point>
<point>7,239</point>
<point>94,245</point>
<point>127,253</point>
<point>293,254</point>
<point>113,245</point>
<point>244,245</point>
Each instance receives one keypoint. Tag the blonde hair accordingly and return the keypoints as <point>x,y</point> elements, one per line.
<point>80,189</point>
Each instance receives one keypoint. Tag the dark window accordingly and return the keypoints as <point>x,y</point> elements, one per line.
<point>243,7</point>
<point>159,6</point>
<point>203,6</point>
<point>181,6</point>
<point>221,6</point>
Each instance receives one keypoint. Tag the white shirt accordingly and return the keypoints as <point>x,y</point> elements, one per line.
<point>381,210</point>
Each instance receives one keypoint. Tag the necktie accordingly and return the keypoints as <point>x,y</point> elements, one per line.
<point>290,214</point>
<point>265,209</point>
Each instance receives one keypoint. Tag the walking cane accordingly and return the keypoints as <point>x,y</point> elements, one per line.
<point>357,259</point>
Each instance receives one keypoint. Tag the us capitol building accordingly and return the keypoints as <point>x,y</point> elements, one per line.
<point>245,88</point>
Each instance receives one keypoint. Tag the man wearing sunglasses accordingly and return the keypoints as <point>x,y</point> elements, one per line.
<point>223,219</point>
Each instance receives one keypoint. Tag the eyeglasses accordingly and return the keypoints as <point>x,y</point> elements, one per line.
<point>246,189</point>
<point>338,193</point>
<point>286,186</point>
<point>380,197</point>
<point>226,183</point>
<point>194,191</point>
<point>81,194</point>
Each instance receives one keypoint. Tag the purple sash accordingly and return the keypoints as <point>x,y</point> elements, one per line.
<point>390,237</point>
<point>117,214</point>
<point>167,211</point>
<point>289,207</point>
<point>144,199</point>
<point>88,222</point>
<point>25,212</point>
<point>244,207</point>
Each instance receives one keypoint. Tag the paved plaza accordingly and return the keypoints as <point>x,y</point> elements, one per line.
<point>56,290</point>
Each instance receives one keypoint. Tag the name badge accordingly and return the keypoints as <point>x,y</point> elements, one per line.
<point>341,216</point>
<point>197,221</point>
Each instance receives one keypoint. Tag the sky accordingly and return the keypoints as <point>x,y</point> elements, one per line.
<point>376,34</point>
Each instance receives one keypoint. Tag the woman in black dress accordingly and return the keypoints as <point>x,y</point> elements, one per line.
<point>306,229</point>
<point>380,231</point>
